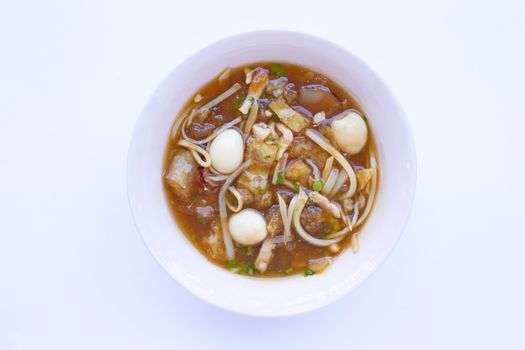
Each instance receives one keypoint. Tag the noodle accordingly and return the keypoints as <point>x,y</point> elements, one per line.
<point>315,136</point>
<point>226,237</point>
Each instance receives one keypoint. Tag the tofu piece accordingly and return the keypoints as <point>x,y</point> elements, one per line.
<point>288,116</point>
<point>274,221</point>
<point>264,201</point>
<point>182,173</point>
<point>298,171</point>
<point>261,151</point>
<point>363,177</point>
<point>255,179</point>
<point>246,195</point>
<point>303,146</point>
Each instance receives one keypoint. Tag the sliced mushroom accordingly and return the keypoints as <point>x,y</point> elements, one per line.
<point>330,207</point>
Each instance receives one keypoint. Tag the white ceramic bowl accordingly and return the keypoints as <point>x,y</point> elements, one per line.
<point>274,296</point>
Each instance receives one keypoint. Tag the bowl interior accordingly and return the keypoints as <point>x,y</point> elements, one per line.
<point>275,296</point>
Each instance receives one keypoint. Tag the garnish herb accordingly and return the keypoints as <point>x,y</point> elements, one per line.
<point>238,102</point>
<point>297,187</point>
<point>249,269</point>
<point>318,185</point>
<point>288,270</point>
<point>280,177</point>
<point>308,272</point>
<point>278,69</point>
<point>232,263</point>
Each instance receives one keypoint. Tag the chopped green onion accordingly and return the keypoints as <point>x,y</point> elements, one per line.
<point>232,263</point>
<point>288,270</point>
<point>278,69</point>
<point>308,272</point>
<point>297,187</point>
<point>327,230</point>
<point>270,138</point>
<point>318,185</point>
<point>238,102</point>
<point>249,269</point>
<point>280,177</point>
<point>268,156</point>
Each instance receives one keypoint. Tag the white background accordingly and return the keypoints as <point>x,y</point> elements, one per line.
<point>74,273</point>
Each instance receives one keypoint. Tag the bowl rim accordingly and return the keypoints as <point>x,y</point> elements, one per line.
<point>411,153</point>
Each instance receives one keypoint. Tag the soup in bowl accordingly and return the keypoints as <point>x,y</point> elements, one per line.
<point>271,154</point>
<point>270,170</point>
